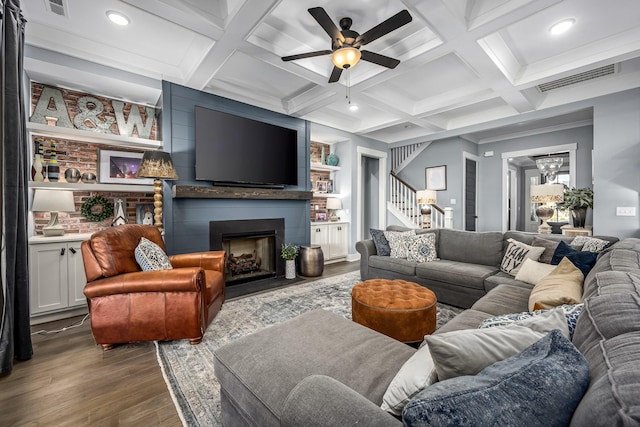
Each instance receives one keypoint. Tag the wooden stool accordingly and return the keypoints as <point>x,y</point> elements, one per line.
<point>399,309</point>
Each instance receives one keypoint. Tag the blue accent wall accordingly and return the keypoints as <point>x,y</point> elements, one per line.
<point>186,221</point>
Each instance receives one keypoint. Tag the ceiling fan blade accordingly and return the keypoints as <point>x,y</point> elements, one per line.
<point>306,55</point>
<point>396,21</point>
<point>321,16</point>
<point>335,74</point>
<point>376,58</point>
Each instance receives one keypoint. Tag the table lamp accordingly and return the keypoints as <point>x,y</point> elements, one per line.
<point>548,195</point>
<point>157,165</point>
<point>426,197</point>
<point>53,201</point>
<point>333,203</point>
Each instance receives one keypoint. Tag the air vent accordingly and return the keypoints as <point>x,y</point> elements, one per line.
<point>578,78</point>
<point>58,7</point>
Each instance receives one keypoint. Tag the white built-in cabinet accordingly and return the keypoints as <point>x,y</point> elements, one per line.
<point>57,276</point>
<point>333,237</point>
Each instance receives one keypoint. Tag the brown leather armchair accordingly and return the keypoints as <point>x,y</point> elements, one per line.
<point>128,305</point>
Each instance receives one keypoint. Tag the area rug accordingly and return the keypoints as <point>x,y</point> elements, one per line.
<point>188,369</point>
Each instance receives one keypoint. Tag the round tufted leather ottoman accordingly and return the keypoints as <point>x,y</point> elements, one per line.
<point>399,309</point>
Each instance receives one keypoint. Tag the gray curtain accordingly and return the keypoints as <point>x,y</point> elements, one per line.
<point>15,334</point>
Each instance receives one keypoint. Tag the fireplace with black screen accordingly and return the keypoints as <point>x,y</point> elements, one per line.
<point>252,248</point>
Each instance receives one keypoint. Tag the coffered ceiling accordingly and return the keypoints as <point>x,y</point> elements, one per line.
<point>463,62</point>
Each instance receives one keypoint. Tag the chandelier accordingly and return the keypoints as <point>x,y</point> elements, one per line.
<point>549,166</point>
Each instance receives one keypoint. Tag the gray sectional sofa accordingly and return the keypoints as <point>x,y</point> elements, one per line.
<point>320,369</point>
<point>468,264</point>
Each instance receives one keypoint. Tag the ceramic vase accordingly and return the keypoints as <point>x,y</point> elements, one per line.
<point>53,168</point>
<point>37,167</point>
<point>323,160</point>
<point>290,269</point>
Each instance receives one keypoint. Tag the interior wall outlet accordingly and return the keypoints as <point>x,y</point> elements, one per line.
<point>625,211</point>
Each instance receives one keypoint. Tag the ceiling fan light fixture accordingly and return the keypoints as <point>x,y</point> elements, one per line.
<point>353,107</point>
<point>345,57</point>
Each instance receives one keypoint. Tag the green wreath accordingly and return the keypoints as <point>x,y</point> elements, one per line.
<point>96,209</point>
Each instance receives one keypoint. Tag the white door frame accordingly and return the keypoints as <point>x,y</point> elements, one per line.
<point>571,148</point>
<point>465,156</point>
<point>382,172</point>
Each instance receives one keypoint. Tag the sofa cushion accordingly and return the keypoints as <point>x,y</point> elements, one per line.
<point>562,286</point>
<point>381,242</point>
<point>468,319</point>
<point>501,278</point>
<point>533,271</point>
<point>422,248</point>
<point>571,313</point>
<point>257,372</point>
<point>515,255</point>
<point>483,248</point>
<point>504,299</point>
<point>396,265</point>
<point>150,256</point>
<point>549,248</point>
<point>541,386</point>
<point>581,259</point>
<point>617,282</point>
<point>399,242</point>
<point>467,352</point>
<point>457,273</point>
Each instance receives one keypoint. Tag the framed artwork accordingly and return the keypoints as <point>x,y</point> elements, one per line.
<point>120,167</point>
<point>329,185</point>
<point>436,178</point>
<point>321,216</point>
<point>144,213</point>
<point>321,186</point>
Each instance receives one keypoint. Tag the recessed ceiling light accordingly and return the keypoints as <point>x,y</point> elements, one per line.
<point>353,107</point>
<point>117,18</point>
<point>562,26</point>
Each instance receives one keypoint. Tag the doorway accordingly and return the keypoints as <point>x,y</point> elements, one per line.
<point>470,191</point>
<point>372,191</point>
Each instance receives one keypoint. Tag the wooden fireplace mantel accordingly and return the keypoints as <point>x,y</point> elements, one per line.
<point>214,192</point>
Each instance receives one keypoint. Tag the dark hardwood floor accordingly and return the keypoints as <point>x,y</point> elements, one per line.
<point>72,382</point>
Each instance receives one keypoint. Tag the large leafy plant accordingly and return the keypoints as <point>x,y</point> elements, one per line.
<point>575,198</point>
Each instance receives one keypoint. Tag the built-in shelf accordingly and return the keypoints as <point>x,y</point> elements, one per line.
<point>321,167</point>
<point>325,195</point>
<point>39,129</point>
<point>129,188</point>
<point>214,192</point>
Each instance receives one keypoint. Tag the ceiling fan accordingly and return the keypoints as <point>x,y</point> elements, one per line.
<point>345,44</point>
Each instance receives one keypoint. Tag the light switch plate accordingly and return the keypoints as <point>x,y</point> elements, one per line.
<point>625,211</point>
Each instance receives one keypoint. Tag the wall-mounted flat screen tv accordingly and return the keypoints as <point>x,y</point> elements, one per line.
<point>236,150</point>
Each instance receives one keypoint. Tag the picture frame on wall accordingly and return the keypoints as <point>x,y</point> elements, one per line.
<point>120,167</point>
<point>436,178</point>
<point>144,213</point>
<point>321,216</point>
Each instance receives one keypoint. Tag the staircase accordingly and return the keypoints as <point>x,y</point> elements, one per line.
<point>403,202</point>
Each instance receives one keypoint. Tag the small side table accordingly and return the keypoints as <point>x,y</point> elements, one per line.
<point>567,230</point>
<point>311,261</point>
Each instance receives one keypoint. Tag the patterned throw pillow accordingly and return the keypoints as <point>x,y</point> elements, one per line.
<point>571,312</point>
<point>150,256</point>
<point>423,248</point>
<point>399,242</point>
<point>515,255</point>
<point>589,244</point>
<point>381,242</point>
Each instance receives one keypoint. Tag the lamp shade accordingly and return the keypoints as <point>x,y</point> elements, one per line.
<point>53,201</point>
<point>547,193</point>
<point>334,203</point>
<point>156,164</point>
<point>427,197</point>
<point>345,57</point>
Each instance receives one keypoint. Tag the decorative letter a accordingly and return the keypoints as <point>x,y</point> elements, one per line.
<point>59,110</point>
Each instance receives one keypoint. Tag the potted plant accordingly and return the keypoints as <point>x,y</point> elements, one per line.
<point>289,254</point>
<point>577,200</point>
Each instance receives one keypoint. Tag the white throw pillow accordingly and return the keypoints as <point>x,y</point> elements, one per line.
<point>399,242</point>
<point>422,248</point>
<point>469,351</point>
<point>515,255</point>
<point>150,256</point>
<point>417,373</point>
<point>532,271</point>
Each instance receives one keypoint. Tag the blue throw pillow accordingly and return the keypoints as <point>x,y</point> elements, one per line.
<point>541,386</point>
<point>381,242</point>
<point>584,260</point>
